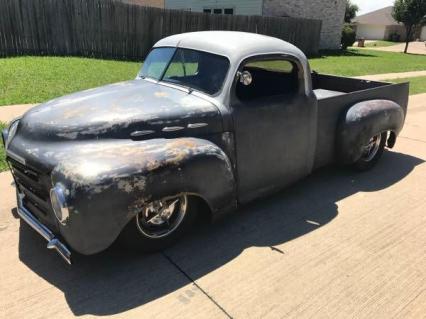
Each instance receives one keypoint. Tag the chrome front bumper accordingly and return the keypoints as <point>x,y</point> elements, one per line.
<point>46,233</point>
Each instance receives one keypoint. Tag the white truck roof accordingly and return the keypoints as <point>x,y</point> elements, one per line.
<point>232,44</point>
<point>236,46</point>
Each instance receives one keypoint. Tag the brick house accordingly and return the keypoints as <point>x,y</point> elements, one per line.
<point>330,12</point>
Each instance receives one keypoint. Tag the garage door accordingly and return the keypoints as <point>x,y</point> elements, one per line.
<point>370,32</point>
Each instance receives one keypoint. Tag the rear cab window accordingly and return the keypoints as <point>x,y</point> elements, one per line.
<point>270,77</point>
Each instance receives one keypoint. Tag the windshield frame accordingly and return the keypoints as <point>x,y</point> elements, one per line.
<point>181,85</point>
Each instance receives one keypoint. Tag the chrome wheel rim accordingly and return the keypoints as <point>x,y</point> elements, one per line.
<point>162,217</point>
<point>370,150</point>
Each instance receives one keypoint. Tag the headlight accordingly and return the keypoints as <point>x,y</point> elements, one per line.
<point>11,132</point>
<point>59,204</point>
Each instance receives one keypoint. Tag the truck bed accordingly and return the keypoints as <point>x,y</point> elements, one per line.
<point>323,93</point>
<point>335,95</point>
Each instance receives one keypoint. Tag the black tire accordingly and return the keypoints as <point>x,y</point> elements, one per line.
<point>365,163</point>
<point>132,238</point>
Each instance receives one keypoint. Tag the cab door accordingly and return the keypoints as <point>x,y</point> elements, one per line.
<point>274,125</point>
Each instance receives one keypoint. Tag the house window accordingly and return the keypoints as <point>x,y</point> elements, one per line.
<point>219,10</point>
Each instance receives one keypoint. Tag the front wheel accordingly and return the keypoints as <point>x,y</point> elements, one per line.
<point>372,152</point>
<point>160,223</point>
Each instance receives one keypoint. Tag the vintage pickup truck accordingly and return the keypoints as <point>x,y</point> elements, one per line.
<point>213,120</point>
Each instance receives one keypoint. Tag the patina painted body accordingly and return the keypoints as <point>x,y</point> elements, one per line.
<point>118,147</point>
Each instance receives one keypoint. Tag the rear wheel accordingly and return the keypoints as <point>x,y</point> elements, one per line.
<point>372,152</point>
<point>160,223</point>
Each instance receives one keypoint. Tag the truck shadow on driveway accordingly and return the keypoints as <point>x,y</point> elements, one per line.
<point>115,281</point>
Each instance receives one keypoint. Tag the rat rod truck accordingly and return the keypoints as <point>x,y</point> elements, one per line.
<point>213,119</point>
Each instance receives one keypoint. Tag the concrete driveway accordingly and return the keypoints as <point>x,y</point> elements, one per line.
<point>338,245</point>
<point>413,48</point>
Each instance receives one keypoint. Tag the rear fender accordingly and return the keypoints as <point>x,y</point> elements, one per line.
<point>364,120</point>
<point>109,182</point>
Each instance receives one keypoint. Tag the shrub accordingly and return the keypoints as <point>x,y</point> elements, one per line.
<point>348,37</point>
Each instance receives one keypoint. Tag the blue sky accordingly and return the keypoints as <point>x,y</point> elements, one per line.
<point>371,5</point>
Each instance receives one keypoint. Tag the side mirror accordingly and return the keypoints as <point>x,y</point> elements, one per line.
<point>245,78</point>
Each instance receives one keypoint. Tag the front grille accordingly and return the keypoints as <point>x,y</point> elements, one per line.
<point>30,183</point>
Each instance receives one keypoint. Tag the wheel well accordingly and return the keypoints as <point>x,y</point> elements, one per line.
<point>203,208</point>
<point>203,217</point>
<point>204,212</point>
<point>361,121</point>
<point>391,139</point>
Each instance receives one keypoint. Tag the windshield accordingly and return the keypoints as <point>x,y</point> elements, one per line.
<point>190,68</point>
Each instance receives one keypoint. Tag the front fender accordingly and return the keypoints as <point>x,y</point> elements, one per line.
<point>107,183</point>
<point>362,121</point>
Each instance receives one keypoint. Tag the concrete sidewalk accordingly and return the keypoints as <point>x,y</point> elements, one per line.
<point>392,76</point>
<point>336,245</point>
<point>9,112</point>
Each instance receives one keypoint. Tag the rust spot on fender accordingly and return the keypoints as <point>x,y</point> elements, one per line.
<point>161,94</point>
<point>123,165</point>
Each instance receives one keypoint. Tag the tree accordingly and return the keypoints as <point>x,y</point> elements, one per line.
<point>412,14</point>
<point>348,36</point>
<point>351,10</point>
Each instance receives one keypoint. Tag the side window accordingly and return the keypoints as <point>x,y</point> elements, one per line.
<point>269,77</point>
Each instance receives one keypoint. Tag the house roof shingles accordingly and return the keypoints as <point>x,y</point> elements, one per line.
<point>379,17</point>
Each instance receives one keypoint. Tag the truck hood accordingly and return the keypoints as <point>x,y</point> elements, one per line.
<point>118,111</point>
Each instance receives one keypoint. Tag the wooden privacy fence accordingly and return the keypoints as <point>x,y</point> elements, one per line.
<point>112,29</point>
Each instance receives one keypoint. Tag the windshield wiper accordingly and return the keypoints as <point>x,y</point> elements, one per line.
<point>188,88</point>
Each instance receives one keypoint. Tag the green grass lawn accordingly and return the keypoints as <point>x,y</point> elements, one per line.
<point>356,62</point>
<point>380,44</point>
<point>417,84</point>
<point>37,79</point>
<point>3,165</point>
